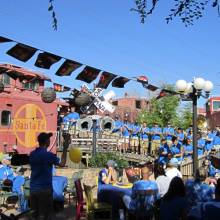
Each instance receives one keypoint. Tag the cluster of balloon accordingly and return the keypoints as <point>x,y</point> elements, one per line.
<point>1,156</point>
<point>75,154</point>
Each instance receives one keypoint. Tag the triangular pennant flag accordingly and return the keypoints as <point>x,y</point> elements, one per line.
<point>105,79</point>
<point>120,82</point>
<point>57,87</point>
<point>66,89</point>
<point>161,94</point>
<point>4,40</point>
<point>46,60</point>
<point>88,74</point>
<point>142,79</point>
<point>68,67</point>
<point>152,87</point>
<point>22,52</point>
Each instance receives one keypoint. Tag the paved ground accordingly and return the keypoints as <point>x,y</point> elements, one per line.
<point>67,214</point>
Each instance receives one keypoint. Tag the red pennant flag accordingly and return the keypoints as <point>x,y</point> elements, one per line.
<point>88,74</point>
<point>68,67</point>
<point>105,79</point>
<point>142,79</point>
<point>22,52</point>
<point>57,87</point>
<point>162,94</point>
<point>120,82</point>
<point>4,40</point>
<point>46,60</point>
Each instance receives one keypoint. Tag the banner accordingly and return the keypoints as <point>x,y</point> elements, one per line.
<point>88,74</point>
<point>46,60</point>
<point>120,82</point>
<point>105,79</point>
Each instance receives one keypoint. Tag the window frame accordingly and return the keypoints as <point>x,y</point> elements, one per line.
<point>8,120</point>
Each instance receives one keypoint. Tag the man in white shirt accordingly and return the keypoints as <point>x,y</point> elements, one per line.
<point>172,169</point>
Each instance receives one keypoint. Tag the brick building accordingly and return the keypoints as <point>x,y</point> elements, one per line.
<point>129,105</point>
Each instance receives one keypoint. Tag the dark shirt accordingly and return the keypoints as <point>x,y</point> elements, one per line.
<point>42,162</point>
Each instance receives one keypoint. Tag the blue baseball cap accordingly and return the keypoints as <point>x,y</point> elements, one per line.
<point>173,162</point>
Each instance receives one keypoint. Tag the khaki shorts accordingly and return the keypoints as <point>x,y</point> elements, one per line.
<point>144,144</point>
<point>155,145</point>
<point>134,142</point>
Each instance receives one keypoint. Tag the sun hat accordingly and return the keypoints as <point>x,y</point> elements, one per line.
<point>111,163</point>
<point>173,162</point>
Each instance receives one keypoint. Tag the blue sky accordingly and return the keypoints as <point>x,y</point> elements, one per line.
<point>107,35</point>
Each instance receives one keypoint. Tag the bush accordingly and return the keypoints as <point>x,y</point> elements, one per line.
<point>100,160</point>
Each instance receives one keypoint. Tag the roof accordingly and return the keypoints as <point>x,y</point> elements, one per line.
<point>16,71</point>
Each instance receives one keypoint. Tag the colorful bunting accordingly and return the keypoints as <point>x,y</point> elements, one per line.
<point>105,79</point>
<point>68,67</point>
<point>152,87</point>
<point>4,40</point>
<point>88,74</point>
<point>46,60</point>
<point>120,82</point>
<point>60,88</point>
<point>22,52</point>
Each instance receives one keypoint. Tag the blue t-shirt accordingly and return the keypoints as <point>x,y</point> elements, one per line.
<point>3,173</point>
<point>18,182</point>
<point>125,131</point>
<point>187,149</point>
<point>201,146</point>
<point>149,199</point>
<point>59,184</point>
<point>135,130</point>
<point>163,159</point>
<point>198,192</point>
<point>72,115</point>
<point>180,137</point>
<point>216,140</point>
<point>42,162</point>
<point>208,145</point>
<point>176,149</point>
<point>156,132</point>
<point>168,133</point>
<point>118,124</point>
<point>102,173</point>
<point>144,133</point>
<point>6,172</point>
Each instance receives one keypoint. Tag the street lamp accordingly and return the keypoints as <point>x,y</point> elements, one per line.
<point>191,92</point>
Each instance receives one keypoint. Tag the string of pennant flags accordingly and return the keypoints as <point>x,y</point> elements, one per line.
<point>88,74</point>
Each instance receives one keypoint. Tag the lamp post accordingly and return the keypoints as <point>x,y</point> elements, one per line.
<point>192,92</point>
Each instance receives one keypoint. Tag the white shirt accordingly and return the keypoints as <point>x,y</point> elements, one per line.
<point>173,172</point>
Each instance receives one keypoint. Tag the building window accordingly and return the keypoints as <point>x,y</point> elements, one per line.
<point>6,118</point>
<point>115,103</point>
<point>216,105</point>
<point>138,104</point>
<point>31,85</point>
<point>5,79</point>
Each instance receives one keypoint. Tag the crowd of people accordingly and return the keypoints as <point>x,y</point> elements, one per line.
<point>164,194</point>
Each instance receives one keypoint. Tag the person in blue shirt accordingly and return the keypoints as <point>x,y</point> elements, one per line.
<point>201,145</point>
<point>117,126</point>
<point>208,144</point>
<point>133,202</point>
<point>164,150</point>
<point>176,149</point>
<point>168,133</point>
<point>180,135</point>
<point>198,190</point>
<point>156,133</point>
<point>188,149</point>
<point>144,136</point>
<point>72,117</point>
<point>106,176</point>
<point>216,141</point>
<point>126,131</point>
<point>135,130</point>
<point>41,189</point>
<point>6,172</point>
<point>190,135</point>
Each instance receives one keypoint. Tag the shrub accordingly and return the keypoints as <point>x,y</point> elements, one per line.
<point>100,160</point>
